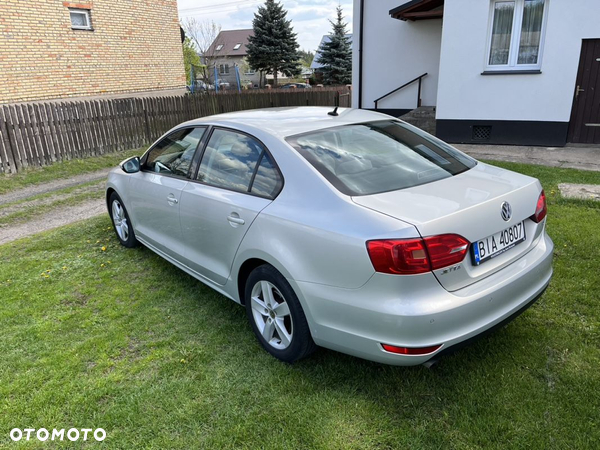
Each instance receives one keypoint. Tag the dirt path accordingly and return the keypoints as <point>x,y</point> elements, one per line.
<point>57,215</point>
<point>53,219</point>
<point>56,185</point>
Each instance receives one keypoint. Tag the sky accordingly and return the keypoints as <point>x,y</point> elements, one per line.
<point>309,17</point>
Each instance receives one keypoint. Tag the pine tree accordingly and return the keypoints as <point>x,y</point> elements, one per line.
<point>273,47</point>
<point>336,55</point>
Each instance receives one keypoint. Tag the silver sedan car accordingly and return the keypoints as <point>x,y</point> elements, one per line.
<point>343,228</point>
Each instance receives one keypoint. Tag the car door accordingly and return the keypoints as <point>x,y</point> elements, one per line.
<point>236,179</point>
<point>155,191</point>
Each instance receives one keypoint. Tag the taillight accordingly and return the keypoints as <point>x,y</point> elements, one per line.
<point>541,209</point>
<point>414,256</point>
<point>446,249</point>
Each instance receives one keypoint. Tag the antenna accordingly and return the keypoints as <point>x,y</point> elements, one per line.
<point>334,112</point>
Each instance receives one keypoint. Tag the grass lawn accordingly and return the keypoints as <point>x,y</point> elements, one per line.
<point>122,340</point>
<point>35,175</point>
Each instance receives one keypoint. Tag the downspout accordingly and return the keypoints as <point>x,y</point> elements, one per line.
<point>360,52</point>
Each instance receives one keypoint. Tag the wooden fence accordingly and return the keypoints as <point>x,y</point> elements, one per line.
<point>39,134</point>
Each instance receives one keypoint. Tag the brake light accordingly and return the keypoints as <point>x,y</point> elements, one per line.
<point>414,256</point>
<point>541,209</point>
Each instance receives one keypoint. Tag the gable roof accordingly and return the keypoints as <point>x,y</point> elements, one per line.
<point>419,10</point>
<point>229,39</point>
<point>324,39</point>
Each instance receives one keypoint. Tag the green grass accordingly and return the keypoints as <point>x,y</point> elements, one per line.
<point>121,339</point>
<point>65,169</point>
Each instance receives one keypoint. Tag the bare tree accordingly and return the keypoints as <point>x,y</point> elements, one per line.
<point>203,34</point>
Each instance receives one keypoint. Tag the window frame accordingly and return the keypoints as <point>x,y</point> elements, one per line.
<point>85,13</point>
<point>223,69</point>
<point>513,56</point>
<point>192,169</point>
<point>237,46</point>
<point>219,47</point>
<point>200,155</point>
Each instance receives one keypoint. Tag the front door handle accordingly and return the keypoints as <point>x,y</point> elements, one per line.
<point>172,200</point>
<point>234,219</point>
<point>577,91</point>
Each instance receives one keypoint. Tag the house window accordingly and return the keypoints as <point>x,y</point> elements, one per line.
<point>80,19</point>
<point>237,46</point>
<point>249,72</point>
<point>219,48</point>
<point>517,34</point>
<point>224,69</point>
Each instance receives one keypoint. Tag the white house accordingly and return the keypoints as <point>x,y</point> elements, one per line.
<point>498,71</point>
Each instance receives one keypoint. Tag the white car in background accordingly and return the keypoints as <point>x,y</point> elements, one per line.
<point>346,229</point>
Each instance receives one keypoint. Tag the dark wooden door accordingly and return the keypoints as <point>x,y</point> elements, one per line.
<point>584,126</point>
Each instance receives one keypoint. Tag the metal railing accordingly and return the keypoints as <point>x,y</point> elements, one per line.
<point>419,79</point>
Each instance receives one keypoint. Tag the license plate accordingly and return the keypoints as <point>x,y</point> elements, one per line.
<point>498,243</point>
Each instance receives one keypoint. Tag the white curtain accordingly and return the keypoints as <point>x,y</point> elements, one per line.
<point>531,30</point>
<point>501,32</point>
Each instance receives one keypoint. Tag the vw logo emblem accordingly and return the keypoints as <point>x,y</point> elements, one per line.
<point>506,211</point>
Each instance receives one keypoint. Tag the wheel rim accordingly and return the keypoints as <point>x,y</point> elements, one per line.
<point>271,315</point>
<point>120,220</point>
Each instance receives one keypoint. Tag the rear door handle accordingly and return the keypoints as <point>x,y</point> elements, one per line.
<point>172,200</point>
<point>234,219</point>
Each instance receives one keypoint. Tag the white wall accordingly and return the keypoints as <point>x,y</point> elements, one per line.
<point>395,52</point>
<point>464,93</point>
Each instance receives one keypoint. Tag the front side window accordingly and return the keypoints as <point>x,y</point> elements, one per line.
<point>173,154</point>
<point>230,161</point>
<point>517,32</point>
<point>376,157</point>
<point>80,19</point>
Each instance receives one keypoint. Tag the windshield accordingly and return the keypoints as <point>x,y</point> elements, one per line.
<point>382,156</point>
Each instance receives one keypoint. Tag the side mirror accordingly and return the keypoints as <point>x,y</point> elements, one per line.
<point>131,165</point>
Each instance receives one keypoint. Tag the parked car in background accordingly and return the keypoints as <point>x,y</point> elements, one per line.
<point>296,86</point>
<point>347,229</point>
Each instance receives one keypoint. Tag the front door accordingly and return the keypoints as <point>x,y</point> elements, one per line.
<point>584,127</point>
<point>155,191</point>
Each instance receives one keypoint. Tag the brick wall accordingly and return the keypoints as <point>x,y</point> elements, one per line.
<point>135,45</point>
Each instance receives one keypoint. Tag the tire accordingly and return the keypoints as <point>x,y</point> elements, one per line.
<point>277,320</point>
<point>121,222</point>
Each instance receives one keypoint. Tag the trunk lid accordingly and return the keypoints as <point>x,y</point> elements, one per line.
<point>468,204</point>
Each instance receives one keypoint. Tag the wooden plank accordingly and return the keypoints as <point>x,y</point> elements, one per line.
<point>9,163</point>
<point>92,129</point>
<point>19,146</point>
<point>32,154</point>
<point>40,132</point>
<point>104,139</point>
<point>108,114</point>
<point>63,139</point>
<point>52,132</point>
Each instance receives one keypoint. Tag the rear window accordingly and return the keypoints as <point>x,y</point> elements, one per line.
<point>382,156</point>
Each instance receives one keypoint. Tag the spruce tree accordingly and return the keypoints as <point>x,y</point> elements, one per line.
<point>335,56</point>
<point>273,47</point>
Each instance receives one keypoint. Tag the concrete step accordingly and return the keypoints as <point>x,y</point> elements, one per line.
<point>423,118</point>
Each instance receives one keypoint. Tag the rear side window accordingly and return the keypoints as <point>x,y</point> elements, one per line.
<point>267,182</point>
<point>238,162</point>
<point>375,157</point>
<point>173,154</point>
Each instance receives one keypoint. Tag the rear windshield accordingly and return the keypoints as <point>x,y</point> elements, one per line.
<point>382,156</point>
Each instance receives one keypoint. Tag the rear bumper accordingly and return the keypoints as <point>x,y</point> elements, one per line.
<point>415,311</point>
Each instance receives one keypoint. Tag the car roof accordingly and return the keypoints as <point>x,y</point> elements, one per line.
<point>284,122</point>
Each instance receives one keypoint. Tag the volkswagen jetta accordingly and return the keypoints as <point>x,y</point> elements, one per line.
<point>346,229</point>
